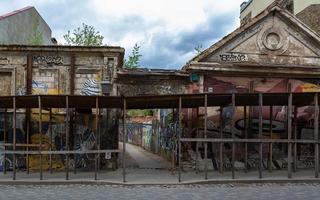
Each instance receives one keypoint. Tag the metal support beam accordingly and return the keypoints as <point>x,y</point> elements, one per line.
<point>270,132</point>
<point>72,74</point>
<point>67,137</point>
<point>289,128</point>
<point>179,135</point>
<point>5,140</point>
<point>14,138</point>
<point>124,136</point>
<point>246,137</point>
<point>205,136</point>
<point>221,137</point>
<point>50,139</point>
<point>29,74</point>
<point>96,140</point>
<point>260,134</point>
<point>295,132</point>
<point>316,135</point>
<point>233,135</point>
<point>40,134</point>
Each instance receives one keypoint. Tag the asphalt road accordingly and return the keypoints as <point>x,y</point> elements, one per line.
<point>109,192</point>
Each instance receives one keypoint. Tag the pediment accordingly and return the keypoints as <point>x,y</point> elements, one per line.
<point>278,37</point>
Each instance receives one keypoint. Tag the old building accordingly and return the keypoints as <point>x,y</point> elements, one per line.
<point>60,70</point>
<point>274,52</point>
<point>305,10</point>
<point>24,26</point>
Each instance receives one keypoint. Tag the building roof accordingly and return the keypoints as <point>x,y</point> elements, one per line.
<point>274,7</point>
<point>15,12</point>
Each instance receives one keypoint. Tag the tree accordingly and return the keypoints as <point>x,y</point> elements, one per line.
<point>36,38</point>
<point>133,61</point>
<point>84,36</point>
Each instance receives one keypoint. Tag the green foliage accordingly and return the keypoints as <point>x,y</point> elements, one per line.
<point>133,61</point>
<point>84,36</point>
<point>198,48</point>
<point>140,113</point>
<point>36,38</point>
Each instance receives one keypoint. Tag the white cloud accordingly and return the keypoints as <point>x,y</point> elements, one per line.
<point>167,30</point>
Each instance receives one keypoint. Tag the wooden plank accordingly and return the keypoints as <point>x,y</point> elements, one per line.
<point>316,135</point>
<point>289,128</point>
<point>260,135</point>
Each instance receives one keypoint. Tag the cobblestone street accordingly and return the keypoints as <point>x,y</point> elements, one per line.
<point>239,192</point>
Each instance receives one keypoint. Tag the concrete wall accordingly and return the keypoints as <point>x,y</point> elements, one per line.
<point>19,28</point>
<point>311,17</point>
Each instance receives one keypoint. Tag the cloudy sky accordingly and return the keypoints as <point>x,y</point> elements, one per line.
<point>166,30</point>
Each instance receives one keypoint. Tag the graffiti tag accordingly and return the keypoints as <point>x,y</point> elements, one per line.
<point>48,60</point>
<point>233,57</point>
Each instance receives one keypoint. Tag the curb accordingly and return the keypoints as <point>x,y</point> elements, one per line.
<point>198,182</point>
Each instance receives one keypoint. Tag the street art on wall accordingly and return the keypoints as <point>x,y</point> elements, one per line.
<point>304,118</point>
<point>90,88</point>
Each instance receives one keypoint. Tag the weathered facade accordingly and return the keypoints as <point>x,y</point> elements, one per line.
<point>273,53</point>
<point>61,70</point>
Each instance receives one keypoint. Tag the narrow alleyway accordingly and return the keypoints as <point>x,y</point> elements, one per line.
<point>137,157</point>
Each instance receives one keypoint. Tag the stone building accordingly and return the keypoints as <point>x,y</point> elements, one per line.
<point>24,26</point>
<point>61,70</point>
<point>274,52</point>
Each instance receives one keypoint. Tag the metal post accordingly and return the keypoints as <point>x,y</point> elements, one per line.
<point>270,144</point>
<point>40,139</point>
<point>245,122</point>
<point>96,140</point>
<point>124,109</point>
<point>74,124</point>
<point>295,139</point>
<point>50,139</point>
<point>289,127</point>
<point>233,135</point>
<point>14,138</point>
<point>5,140</point>
<point>67,138</point>
<point>221,144</point>
<point>260,134</point>
<point>205,136</point>
<point>197,152</point>
<point>27,138</point>
<point>316,135</point>
<point>179,136</point>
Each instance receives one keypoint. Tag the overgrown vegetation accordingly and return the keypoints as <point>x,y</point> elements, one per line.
<point>84,36</point>
<point>36,38</point>
<point>140,113</point>
<point>133,60</point>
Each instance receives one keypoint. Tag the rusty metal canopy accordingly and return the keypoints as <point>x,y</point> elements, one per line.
<point>159,101</point>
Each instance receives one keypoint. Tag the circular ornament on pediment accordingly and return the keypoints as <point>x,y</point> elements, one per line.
<point>274,40</point>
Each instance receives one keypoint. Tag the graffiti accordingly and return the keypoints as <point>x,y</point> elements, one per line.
<point>167,136</point>
<point>37,88</point>
<point>233,57</point>
<point>90,88</point>
<point>48,60</point>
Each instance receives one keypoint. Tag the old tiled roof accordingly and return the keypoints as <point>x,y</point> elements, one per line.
<point>15,12</point>
<point>274,7</point>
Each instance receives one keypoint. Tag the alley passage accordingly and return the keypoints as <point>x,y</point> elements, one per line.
<point>137,157</point>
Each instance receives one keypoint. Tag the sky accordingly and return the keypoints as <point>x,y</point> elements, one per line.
<point>167,31</point>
